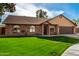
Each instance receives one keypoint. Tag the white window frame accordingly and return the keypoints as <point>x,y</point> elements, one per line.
<point>32,28</point>
<point>17,27</point>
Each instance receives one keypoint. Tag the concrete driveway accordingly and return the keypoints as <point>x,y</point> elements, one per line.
<point>72,51</point>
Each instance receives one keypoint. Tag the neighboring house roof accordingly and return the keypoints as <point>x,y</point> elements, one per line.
<point>29,20</point>
<point>77,26</point>
<point>2,25</point>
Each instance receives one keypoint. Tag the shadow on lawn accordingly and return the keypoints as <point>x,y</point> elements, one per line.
<point>62,39</point>
<point>54,38</point>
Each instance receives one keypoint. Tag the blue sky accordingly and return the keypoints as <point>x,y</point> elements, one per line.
<point>71,10</point>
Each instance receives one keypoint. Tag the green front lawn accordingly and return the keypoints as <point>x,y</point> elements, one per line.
<point>34,46</point>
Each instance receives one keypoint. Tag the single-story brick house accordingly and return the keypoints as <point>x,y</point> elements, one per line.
<point>22,25</point>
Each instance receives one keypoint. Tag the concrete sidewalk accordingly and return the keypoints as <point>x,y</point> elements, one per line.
<point>72,51</point>
<point>72,35</point>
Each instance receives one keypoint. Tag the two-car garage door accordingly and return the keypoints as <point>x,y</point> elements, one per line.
<point>66,30</point>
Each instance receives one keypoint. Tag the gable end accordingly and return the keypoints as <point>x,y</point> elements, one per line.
<point>61,20</point>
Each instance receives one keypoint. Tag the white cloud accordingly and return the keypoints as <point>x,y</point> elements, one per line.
<point>30,9</point>
<point>25,10</point>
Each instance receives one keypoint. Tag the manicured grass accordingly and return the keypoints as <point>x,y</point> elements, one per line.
<point>62,39</point>
<point>33,46</point>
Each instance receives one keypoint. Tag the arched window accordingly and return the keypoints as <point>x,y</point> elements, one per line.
<point>16,28</point>
<point>32,28</point>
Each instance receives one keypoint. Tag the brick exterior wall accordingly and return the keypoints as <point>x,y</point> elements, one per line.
<point>25,30</point>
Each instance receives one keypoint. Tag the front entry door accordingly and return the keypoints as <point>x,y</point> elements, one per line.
<point>46,29</point>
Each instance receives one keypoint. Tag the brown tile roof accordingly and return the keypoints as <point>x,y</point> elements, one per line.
<point>23,20</point>
<point>29,20</point>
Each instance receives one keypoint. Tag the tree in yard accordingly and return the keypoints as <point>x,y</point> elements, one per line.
<point>76,21</point>
<point>41,14</point>
<point>6,7</point>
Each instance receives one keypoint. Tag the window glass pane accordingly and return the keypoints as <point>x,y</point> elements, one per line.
<point>32,28</point>
<point>52,28</point>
